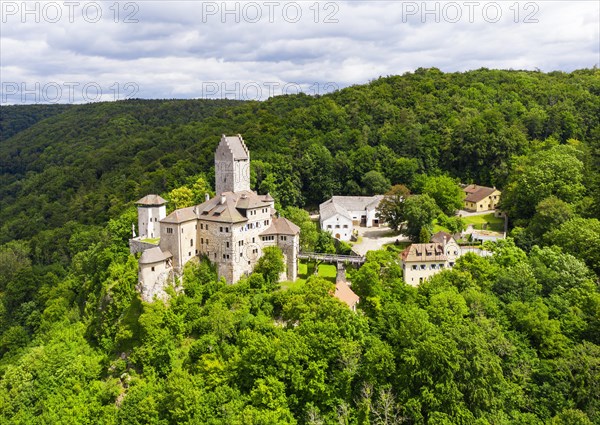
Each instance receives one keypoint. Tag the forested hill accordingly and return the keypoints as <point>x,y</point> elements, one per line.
<point>14,119</point>
<point>510,338</point>
<point>89,161</point>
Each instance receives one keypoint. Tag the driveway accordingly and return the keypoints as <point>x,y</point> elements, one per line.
<point>464,213</point>
<point>373,238</point>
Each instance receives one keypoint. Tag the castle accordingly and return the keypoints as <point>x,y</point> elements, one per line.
<point>230,229</point>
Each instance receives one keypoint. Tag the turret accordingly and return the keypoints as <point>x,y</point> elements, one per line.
<point>151,209</point>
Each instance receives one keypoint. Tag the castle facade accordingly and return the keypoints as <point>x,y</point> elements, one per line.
<point>230,229</point>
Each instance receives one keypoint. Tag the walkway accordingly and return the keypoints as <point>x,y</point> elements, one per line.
<point>332,258</point>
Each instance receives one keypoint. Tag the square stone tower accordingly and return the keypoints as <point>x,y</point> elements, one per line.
<point>232,165</point>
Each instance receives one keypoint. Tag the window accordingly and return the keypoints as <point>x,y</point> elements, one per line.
<point>182,230</point>
<point>201,241</point>
<point>169,230</point>
<point>329,226</point>
<point>252,240</point>
<point>337,226</point>
<point>226,244</point>
<point>441,266</point>
<point>206,226</point>
<point>196,252</point>
<point>227,229</point>
<point>433,267</point>
<point>414,267</point>
<point>152,268</point>
<point>221,229</point>
<point>423,266</point>
<point>191,242</point>
<point>241,243</point>
<point>201,226</point>
<point>241,254</point>
<point>283,238</point>
<point>345,226</point>
<point>189,254</point>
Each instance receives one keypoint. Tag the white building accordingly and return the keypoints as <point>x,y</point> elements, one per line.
<point>231,229</point>
<point>151,209</point>
<point>340,214</point>
<point>420,261</point>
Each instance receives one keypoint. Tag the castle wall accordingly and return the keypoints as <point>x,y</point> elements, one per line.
<point>180,240</point>
<point>153,279</point>
<point>136,246</point>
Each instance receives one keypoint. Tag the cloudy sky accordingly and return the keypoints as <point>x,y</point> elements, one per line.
<point>78,51</point>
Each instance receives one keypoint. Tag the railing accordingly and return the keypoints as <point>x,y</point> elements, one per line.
<point>332,258</point>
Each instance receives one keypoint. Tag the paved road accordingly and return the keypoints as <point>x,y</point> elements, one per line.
<point>373,238</point>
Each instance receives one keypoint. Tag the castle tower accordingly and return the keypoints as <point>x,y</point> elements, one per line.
<point>232,165</point>
<point>151,209</point>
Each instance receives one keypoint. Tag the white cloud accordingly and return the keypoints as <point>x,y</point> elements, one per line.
<point>183,49</point>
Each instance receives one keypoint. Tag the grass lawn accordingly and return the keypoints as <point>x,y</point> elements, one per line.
<point>154,241</point>
<point>495,224</point>
<point>326,271</point>
<point>396,247</point>
<point>438,228</point>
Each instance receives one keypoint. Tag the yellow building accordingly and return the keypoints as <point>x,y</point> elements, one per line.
<point>481,198</point>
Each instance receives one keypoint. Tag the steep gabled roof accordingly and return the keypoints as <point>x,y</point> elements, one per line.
<point>441,237</point>
<point>250,200</point>
<point>226,212</point>
<point>180,216</point>
<point>281,226</point>
<point>345,294</point>
<point>477,193</point>
<point>357,203</point>
<point>330,209</point>
<point>154,255</point>
<point>231,211</point>
<point>151,200</point>
<point>422,252</point>
<point>236,146</point>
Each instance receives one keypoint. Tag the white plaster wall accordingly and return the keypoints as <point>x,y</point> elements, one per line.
<point>149,220</point>
<point>341,221</point>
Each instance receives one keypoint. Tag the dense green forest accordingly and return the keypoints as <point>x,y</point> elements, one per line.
<point>513,338</point>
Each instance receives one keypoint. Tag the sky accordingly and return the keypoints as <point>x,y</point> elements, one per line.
<point>86,51</point>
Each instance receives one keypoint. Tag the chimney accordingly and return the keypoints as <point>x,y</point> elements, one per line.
<point>206,197</point>
<point>222,198</point>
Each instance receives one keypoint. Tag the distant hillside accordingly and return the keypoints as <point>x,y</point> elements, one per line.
<point>16,118</point>
<point>89,161</point>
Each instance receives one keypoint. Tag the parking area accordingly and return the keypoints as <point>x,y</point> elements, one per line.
<point>373,238</point>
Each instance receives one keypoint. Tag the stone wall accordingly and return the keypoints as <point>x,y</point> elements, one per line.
<point>136,245</point>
